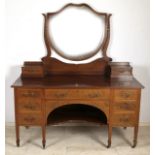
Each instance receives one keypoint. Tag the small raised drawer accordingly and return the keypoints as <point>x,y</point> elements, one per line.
<point>124,119</point>
<point>77,94</point>
<point>32,71</point>
<point>25,119</point>
<point>127,94</point>
<point>32,93</point>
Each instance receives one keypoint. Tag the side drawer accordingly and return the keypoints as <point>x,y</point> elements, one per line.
<point>31,93</point>
<point>125,94</point>
<point>30,119</point>
<point>124,106</point>
<point>29,105</point>
<point>77,94</point>
<point>124,119</point>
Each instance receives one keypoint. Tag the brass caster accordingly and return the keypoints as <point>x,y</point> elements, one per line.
<point>109,144</point>
<point>44,143</point>
<point>17,142</point>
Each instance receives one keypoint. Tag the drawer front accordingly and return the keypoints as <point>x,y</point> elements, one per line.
<point>32,71</point>
<point>32,119</point>
<point>124,106</point>
<point>29,105</point>
<point>95,94</point>
<point>125,94</point>
<point>60,94</point>
<point>29,93</point>
<point>124,119</point>
<point>77,94</point>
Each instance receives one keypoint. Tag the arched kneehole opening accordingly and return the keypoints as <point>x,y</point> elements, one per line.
<point>76,112</point>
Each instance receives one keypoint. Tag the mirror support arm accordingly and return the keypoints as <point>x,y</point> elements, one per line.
<point>107,37</point>
<point>46,37</point>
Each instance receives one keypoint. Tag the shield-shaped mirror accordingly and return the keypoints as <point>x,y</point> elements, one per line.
<point>76,32</point>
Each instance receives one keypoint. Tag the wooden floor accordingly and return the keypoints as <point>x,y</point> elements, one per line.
<point>77,140</point>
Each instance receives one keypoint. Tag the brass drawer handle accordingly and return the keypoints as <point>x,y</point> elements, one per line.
<point>95,95</point>
<point>29,94</point>
<point>29,106</point>
<point>125,106</point>
<point>125,95</point>
<point>125,119</point>
<point>121,71</point>
<point>61,95</point>
<point>29,119</point>
<point>31,71</point>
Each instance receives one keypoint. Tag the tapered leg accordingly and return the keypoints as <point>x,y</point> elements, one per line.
<point>17,136</point>
<point>135,136</point>
<point>109,136</point>
<point>43,136</point>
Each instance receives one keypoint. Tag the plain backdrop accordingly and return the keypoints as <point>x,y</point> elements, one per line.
<point>129,39</point>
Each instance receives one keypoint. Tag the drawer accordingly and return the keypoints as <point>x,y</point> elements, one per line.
<point>29,105</point>
<point>95,94</point>
<point>31,93</point>
<point>77,94</point>
<point>123,119</point>
<point>61,94</point>
<point>32,71</point>
<point>124,106</point>
<point>125,94</point>
<point>29,119</point>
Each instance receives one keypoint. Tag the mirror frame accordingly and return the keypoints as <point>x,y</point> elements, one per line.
<point>103,46</point>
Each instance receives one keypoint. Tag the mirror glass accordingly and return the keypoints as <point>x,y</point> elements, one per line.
<point>76,33</point>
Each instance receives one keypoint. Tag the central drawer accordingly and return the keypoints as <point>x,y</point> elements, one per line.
<point>77,94</point>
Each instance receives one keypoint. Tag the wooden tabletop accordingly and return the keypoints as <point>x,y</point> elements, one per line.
<point>73,81</point>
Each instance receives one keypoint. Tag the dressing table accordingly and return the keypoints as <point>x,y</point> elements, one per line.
<point>101,91</point>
